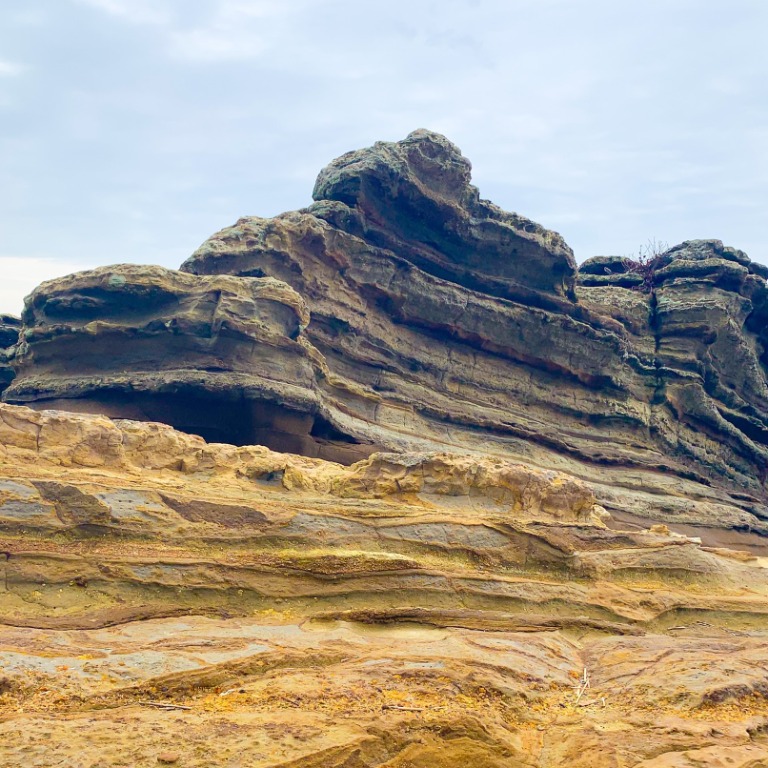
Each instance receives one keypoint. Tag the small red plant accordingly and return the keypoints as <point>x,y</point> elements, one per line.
<point>650,257</point>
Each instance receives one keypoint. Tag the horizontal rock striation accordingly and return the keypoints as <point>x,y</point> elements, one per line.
<point>221,356</point>
<point>607,380</point>
<point>405,610</point>
<point>388,482</point>
<point>402,312</point>
<point>9,334</point>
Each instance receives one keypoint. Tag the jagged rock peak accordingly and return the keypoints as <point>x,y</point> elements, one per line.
<point>424,157</point>
<point>414,197</point>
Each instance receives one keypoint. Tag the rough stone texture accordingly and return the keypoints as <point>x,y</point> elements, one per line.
<point>9,333</point>
<point>435,320</point>
<point>219,356</point>
<point>543,544</point>
<point>612,386</point>
<point>409,610</point>
<point>414,197</point>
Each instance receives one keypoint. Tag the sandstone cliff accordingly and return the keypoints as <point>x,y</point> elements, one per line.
<point>167,598</point>
<point>9,336</point>
<point>461,502</point>
<point>410,314</point>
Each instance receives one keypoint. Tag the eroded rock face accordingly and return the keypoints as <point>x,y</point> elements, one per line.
<point>414,197</point>
<point>706,310</point>
<point>409,610</point>
<point>221,357</point>
<point>404,313</point>
<point>487,582</point>
<point>9,333</point>
<point>608,384</point>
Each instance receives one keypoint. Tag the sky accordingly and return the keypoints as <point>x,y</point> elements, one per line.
<point>131,130</point>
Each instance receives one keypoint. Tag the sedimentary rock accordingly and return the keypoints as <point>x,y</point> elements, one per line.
<point>414,197</point>
<point>543,543</point>
<point>9,334</point>
<point>407,610</point>
<point>220,356</point>
<point>594,384</point>
<point>435,320</point>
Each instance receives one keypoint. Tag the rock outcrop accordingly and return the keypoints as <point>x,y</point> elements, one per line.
<point>401,312</point>
<point>413,198</point>
<point>388,481</point>
<point>9,335</point>
<point>217,356</point>
<point>240,604</point>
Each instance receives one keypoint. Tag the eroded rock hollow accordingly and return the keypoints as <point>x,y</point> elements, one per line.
<point>389,481</point>
<point>400,311</point>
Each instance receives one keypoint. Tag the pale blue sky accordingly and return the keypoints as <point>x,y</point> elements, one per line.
<point>133,129</point>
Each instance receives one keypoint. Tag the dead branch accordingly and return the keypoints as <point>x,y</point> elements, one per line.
<point>163,705</point>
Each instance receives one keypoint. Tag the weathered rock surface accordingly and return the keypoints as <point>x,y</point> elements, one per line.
<point>413,197</point>
<point>411,315</point>
<point>408,610</point>
<point>218,356</point>
<point>543,543</point>
<point>621,387</point>
<point>9,335</point>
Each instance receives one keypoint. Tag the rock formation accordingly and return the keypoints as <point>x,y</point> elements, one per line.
<point>461,502</point>
<point>410,314</point>
<point>219,356</point>
<point>409,610</point>
<point>9,335</point>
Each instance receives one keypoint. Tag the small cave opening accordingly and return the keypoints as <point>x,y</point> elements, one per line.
<point>323,431</point>
<point>235,422</point>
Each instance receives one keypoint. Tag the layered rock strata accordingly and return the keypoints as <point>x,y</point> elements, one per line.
<point>432,320</point>
<point>167,599</point>
<point>221,356</point>
<point>9,335</point>
<point>460,504</point>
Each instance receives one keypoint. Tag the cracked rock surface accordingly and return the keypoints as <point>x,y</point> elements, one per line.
<point>388,482</point>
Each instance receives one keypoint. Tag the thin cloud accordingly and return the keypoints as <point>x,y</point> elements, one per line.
<point>11,68</point>
<point>237,30</point>
<point>218,44</point>
<point>133,11</point>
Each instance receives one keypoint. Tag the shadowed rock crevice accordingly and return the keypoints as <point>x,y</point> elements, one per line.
<point>219,419</point>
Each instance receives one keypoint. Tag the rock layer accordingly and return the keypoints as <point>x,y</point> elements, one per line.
<point>236,604</point>
<point>435,321</point>
<point>620,386</point>
<point>543,543</point>
<point>9,335</point>
<point>219,357</point>
<point>413,197</point>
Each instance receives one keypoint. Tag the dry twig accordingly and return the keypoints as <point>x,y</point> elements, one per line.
<point>163,705</point>
<point>582,686</point>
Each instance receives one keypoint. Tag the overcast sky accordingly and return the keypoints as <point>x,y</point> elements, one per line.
<point>133,129</point>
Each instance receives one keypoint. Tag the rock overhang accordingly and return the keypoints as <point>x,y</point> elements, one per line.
<point>405,311</point>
